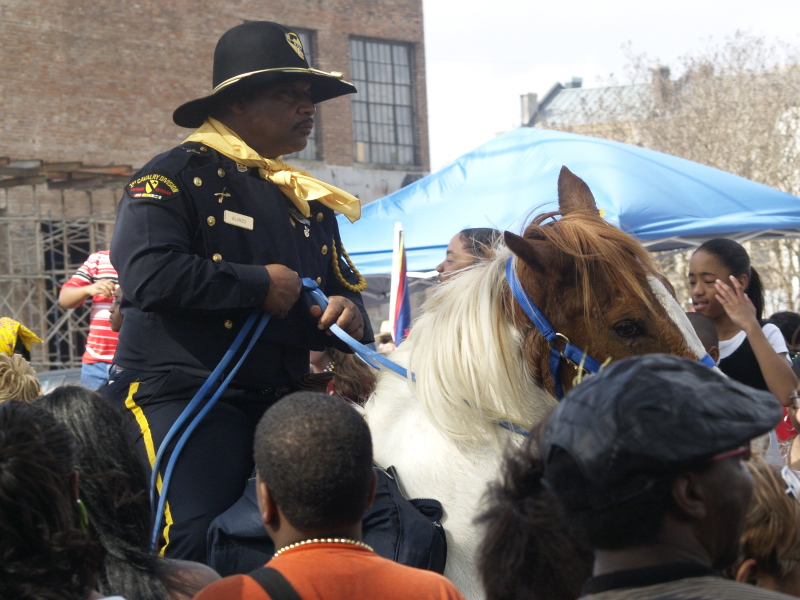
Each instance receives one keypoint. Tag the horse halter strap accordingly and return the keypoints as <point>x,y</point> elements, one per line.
<point>569,352</point>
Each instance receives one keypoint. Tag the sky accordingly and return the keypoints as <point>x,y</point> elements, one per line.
<point>481,56</point>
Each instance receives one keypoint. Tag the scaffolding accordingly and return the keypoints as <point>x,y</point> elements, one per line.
<point>53,215</point>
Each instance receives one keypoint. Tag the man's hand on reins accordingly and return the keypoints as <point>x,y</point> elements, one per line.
<point>344,313</point>
<point>284,290</point>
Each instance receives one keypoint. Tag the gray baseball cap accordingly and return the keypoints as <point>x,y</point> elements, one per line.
<point>642,419</point>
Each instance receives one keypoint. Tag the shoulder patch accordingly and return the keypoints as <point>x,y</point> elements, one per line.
<point>158,187</point>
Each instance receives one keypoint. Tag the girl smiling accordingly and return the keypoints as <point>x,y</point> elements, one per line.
<point>728,290</point>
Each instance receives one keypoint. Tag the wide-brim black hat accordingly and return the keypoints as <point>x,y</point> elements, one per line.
<point>255,53</point>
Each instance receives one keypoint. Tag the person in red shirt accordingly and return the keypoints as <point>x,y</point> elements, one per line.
<point>96,279</point>
<point>315,481</point>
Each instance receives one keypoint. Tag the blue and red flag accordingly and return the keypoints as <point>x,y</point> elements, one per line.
<point>400,302</point>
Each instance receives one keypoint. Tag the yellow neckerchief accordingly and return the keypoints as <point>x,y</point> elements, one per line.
<point>298,185</point>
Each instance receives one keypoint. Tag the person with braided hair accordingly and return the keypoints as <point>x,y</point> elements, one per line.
<point>113,486</point>
<point>46,550</point>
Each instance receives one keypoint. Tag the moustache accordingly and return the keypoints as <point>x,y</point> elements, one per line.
<point>304,123</point>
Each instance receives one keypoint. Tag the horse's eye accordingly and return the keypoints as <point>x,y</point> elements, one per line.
<point>627,329</point>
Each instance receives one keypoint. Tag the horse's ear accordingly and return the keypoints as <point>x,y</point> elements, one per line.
<point>535,253</point>
<point>573,193</point>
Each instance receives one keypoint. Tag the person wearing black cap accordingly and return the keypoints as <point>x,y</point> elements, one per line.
<point>210,231</point>
<point>637,478</point>
<point>646,460</point>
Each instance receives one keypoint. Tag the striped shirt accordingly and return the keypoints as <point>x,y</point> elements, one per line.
<point>101,342</point>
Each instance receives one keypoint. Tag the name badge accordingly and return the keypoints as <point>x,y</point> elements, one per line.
<point>243,221</point>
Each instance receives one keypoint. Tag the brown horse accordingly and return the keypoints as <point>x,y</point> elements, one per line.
<point>480,362</point>
<point>593,280</point>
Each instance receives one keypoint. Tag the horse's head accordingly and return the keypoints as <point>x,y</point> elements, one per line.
<point>595,284</point>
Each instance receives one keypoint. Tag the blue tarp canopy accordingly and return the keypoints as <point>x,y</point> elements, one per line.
<point>665,201</point>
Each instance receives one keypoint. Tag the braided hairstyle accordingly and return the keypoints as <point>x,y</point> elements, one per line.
<point>44,554</point>
<point>114,486</point>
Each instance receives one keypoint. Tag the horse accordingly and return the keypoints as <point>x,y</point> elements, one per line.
<point>481,368</point>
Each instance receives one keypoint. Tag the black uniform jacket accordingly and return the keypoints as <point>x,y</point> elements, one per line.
<point>193,233</point>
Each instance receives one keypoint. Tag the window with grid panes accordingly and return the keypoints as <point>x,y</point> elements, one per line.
<point>383,124</point>
<point>311,151</point>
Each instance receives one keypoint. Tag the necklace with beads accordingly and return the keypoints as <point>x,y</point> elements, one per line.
<point>323,541</point>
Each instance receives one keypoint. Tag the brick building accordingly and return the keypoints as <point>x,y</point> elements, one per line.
<point>88,91</point>
<point>97,82</point>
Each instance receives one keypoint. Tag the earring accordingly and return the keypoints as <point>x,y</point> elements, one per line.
<point>83,516</point>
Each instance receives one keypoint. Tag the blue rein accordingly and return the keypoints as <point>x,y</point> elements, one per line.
<point>195,411</point>
<point>369,356</point>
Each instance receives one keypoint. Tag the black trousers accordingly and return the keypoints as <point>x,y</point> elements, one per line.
<point>213,467</point>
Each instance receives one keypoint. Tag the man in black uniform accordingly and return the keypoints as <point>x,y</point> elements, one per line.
<point>206,234</point>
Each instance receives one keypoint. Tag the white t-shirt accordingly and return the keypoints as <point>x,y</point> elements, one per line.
<point>774,337</point>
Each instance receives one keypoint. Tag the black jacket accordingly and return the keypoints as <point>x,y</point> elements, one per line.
<point>193,233</point>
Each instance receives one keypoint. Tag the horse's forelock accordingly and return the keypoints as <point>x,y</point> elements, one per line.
<point>599,256</point>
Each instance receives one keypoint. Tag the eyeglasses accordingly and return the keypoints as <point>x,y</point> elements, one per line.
<point>735,452</point>
<point>792,481</point>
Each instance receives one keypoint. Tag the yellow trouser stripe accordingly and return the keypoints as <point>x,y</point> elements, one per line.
<point>144,427</point>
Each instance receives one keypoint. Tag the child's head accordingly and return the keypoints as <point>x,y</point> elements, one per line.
<point>705,330</point>
<point>789,324</point>
<point>770,551</point>
<point>114,313</point>
<point>719,259</point>
<point>17,379</point>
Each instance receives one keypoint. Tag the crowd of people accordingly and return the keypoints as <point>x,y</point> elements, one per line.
<point>640,483</point>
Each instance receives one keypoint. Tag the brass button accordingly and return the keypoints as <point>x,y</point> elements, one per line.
<point>211,221</point>
<point>203,149</point>
<point>241,168</point>
<point>221,172</point>
<point>324,250</point>
<point>198,182</point>
<point>319,280</point>
<point>217,257</point>
<point>320,216</point>
<point>228,324</point>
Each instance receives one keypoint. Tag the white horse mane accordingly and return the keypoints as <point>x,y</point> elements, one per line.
<point>467,357</point>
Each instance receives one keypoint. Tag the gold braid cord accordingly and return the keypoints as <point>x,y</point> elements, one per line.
<point>362,283</point>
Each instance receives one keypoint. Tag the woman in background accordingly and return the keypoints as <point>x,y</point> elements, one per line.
<point>114,487</point>
<point>46,550</point>
<point>728,290</point>
<point>466,248</point>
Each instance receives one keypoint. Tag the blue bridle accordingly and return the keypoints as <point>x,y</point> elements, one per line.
<point>570,353</point>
